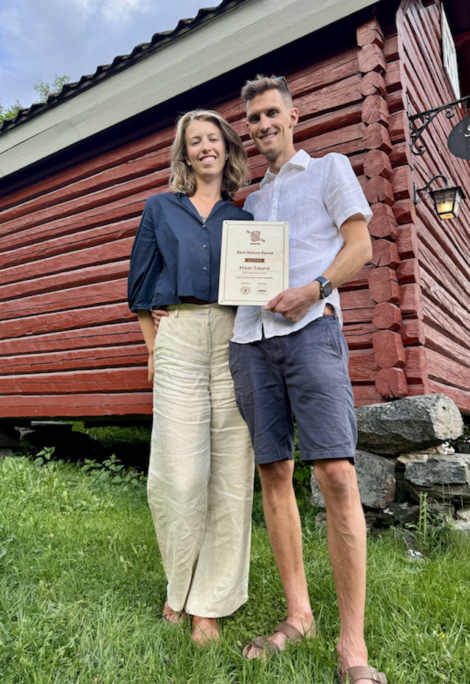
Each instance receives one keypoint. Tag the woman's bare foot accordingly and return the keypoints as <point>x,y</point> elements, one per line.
<point>173,617</point>
<point>204,630</point>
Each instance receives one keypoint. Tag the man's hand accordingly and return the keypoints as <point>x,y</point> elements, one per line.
<point>295,302</point>
<point>157,315</point>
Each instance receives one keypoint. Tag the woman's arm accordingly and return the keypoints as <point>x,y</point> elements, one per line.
<point>148,331</point>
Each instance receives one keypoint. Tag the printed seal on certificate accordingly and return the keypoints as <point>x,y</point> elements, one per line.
<point>254,264</point>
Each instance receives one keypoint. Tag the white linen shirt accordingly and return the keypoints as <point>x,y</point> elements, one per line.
<point>316,196</point>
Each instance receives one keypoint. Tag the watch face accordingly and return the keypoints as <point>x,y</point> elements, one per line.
<point>327,289</point>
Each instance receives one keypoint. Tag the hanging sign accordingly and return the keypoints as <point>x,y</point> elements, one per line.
<point>458,141</point>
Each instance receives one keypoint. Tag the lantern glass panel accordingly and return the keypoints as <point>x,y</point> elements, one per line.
<point>447,201</point>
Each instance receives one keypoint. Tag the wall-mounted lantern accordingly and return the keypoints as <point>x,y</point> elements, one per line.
<point>446,200</point>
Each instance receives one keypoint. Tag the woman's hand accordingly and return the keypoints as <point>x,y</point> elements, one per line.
<point>151,367</point>
<point>157,315</point>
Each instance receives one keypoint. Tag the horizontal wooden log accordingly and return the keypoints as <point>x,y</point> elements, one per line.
<point>402,183</point>
<point>401,154</point>
<point>61,281</point>
<point>362,365</point>
<point>391,383</point>
<point>365,395</point>
<point>377,163</point>
<point>461,397</point>
<point>129,207</point>
<point>377,137</point>
<point>385,253</point>
<point>101,381</point>
<point>379,189</point>
<point>443,299</point>
<point>394,77</point>
<point>391,48</point>
<point>80,338</point>
<point>69,243</point>
<point>65,320</point>
<point>81,359</point>
<point>388,349</point>
<point>383,223</point>
<point>437,317</point>
<point>383,285</point>
<point>441,342</point>
<point>404,211</point>
<point>86,192</point>
<point>96,294</point>
<point>94,201</point>
<point>387,316</point>
<point>416,368</point>
<point>407,241</point>
<point>373,84</point>
<point>370,33</point>
<point>398,127</point>
<point>326,123</point>
<point>409,272</point>
<point>375,110</point>
<point>396,101</point>
<point>77,405</point>
<point>371,58</point>
<point>116,251</point>
<point>345,92</point>
<point>411,301</point>
<point>446,371</point>
<point>359,281</point>
<point>412,331</point>
<point>359,335</point>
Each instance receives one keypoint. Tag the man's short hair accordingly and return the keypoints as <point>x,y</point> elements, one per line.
<point>261,83</point>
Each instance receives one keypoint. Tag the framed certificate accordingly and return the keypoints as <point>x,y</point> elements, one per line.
<point>254,264</point>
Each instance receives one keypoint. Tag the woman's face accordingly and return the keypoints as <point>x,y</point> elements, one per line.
<point>206,150</point>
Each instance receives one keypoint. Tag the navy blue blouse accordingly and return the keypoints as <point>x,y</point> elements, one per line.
<point>175,253</point>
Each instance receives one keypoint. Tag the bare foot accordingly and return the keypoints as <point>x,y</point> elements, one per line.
<point>204,630</point>
<point>258,648</point>
<point>173,617</point>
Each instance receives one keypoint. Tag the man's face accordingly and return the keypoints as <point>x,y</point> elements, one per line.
<point>271,123</point>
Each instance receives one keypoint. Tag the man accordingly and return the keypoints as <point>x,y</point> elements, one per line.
<point>291,358</point>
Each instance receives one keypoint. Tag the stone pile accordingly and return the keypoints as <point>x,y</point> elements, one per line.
<point>401,455</point>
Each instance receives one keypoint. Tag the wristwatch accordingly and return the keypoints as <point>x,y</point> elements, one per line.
<point>326,288</point>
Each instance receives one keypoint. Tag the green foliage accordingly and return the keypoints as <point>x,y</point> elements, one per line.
<point>43,90</point>
<point>82,589</point>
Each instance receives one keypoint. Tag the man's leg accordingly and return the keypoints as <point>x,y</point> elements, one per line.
<point>347,546</point>
<point>283,523</point>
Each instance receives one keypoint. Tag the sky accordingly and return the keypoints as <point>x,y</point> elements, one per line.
<point>42,39</point>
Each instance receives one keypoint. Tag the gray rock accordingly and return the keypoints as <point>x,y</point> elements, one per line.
<point>457,494</point>
<point>6,453</point>
<point>464,514</point>
<point>463,527</point>
<point>375,477</point>
<point>410,424</point>
<point>402,513</point>
<point>444,470</point>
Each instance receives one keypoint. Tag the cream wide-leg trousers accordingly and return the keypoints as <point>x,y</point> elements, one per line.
<point>200,483</point>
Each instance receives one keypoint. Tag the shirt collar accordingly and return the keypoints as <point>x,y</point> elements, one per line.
<point>300,160</point>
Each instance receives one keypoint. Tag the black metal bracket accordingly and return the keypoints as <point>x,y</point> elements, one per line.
<point>426,117</point>
<point>417,190</point>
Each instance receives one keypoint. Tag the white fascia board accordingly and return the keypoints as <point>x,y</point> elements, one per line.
<point>230,40</point>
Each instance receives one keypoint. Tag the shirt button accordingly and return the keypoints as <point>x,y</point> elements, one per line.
<point>204,268</point>
<point>204,246</point>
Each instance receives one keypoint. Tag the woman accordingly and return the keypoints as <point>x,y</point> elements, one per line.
<point>201,469</point>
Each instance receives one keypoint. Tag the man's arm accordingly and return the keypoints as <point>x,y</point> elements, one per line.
<point>357,251</point>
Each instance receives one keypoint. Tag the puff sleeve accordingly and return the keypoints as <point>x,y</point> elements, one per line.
<point>145,263</point>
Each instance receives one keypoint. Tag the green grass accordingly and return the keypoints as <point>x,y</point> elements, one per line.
<point>82,588</point>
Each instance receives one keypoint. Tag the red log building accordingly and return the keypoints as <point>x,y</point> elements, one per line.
<point>76,171</point>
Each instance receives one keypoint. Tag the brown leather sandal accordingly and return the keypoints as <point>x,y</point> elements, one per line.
<point>173,617</point>
<point>268,647</point>
<point>204,630</point>
<point>361,672</point>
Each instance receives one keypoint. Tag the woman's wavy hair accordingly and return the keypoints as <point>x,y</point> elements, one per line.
<point>182,177</point>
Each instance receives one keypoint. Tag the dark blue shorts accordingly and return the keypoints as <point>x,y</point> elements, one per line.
<point>303,377</point>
